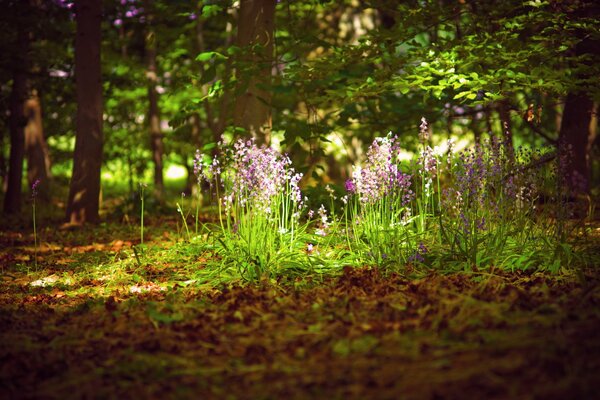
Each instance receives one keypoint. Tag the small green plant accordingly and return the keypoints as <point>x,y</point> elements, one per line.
<point>427,172</point>
<point>259,205</point>
<point>474,209</point>
<point>181,212</point>
<point>488,210</point>
<point>34,193</point>
<point>142,187</point>
<point>198,162</point>
<point>379,207</point>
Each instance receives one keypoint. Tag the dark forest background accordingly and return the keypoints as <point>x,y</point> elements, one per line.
<point>100,96</point>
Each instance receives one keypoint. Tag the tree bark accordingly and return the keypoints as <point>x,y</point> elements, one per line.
<point>17,121</point>
<point>195,128</point>
<point>577,129</point>
<point>156,137</point>
<point>218,114</point>
<point>506,125</point>
<point>574,141</point>
<point>3,165</point>
<point>84,191</point>
<point>38,160</point>
<point>506,133</point>
<point>252,109</point>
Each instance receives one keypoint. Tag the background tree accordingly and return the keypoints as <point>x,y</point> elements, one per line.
<point>18,95</point>
<point>579,122</point>
<point>84,191</point>
<point>255,37</point>
<point>154,122</point>
<point>38,160</point>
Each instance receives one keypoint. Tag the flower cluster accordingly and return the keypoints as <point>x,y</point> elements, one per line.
<point>34,188</point>
<point>260,174</point>
<point>381,175</point>
<point>419,255</point>
<point>207,171</point>
<point>252,176</point>
<point>323,223</point>
<point>198,165</point>
<point>423,131</point>
<point>490,186</point>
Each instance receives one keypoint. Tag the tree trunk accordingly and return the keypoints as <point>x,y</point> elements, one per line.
<point>577,129</point>
<point>3,166</point>
<point>505,123</point>
<point>84,191</point>
<point>574,141</point>
<point>252,109</point>
<point>506,135</point>
<point>38,160</point>
<point>190,186</point>
<point>16,123</point>
<point>156,138</point>
<point>476,129</point>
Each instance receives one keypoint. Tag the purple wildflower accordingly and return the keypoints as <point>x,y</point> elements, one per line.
<point>198,165</point>
<point>350,186</point>
<point>34,188</point>
<point>324,223</point>
<point>418,255</point>
<point>381,175</point>
<point>253,177</point>
<point>423,131</point>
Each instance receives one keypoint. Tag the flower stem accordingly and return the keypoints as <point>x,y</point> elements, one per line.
<point>35,237</point>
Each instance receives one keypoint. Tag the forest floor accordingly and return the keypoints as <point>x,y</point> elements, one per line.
<point>84,323</point>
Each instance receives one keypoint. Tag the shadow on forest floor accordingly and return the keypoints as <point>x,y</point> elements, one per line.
<point>362,334</point>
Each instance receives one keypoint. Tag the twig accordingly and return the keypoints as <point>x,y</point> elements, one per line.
<point>542,160</point>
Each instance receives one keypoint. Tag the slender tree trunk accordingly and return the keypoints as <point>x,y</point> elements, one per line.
<point>505,121</point>
<point>476,129</point>
<point>16,123</point>
<point>156,137</point>
<point>38,160</point>
<point>156,141</point>
<point>195,127</point>
<point>84,191</point>
<point>506,128</point>
<point>593,135</point>
<point>252,109</point>
<point>3,166</point>
<point>488,123</point>
<point>578,126</point>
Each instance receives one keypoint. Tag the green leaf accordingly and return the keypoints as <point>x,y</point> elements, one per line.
<point>210,10</point>
<point>209,55</point>
<point>232,50</point>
